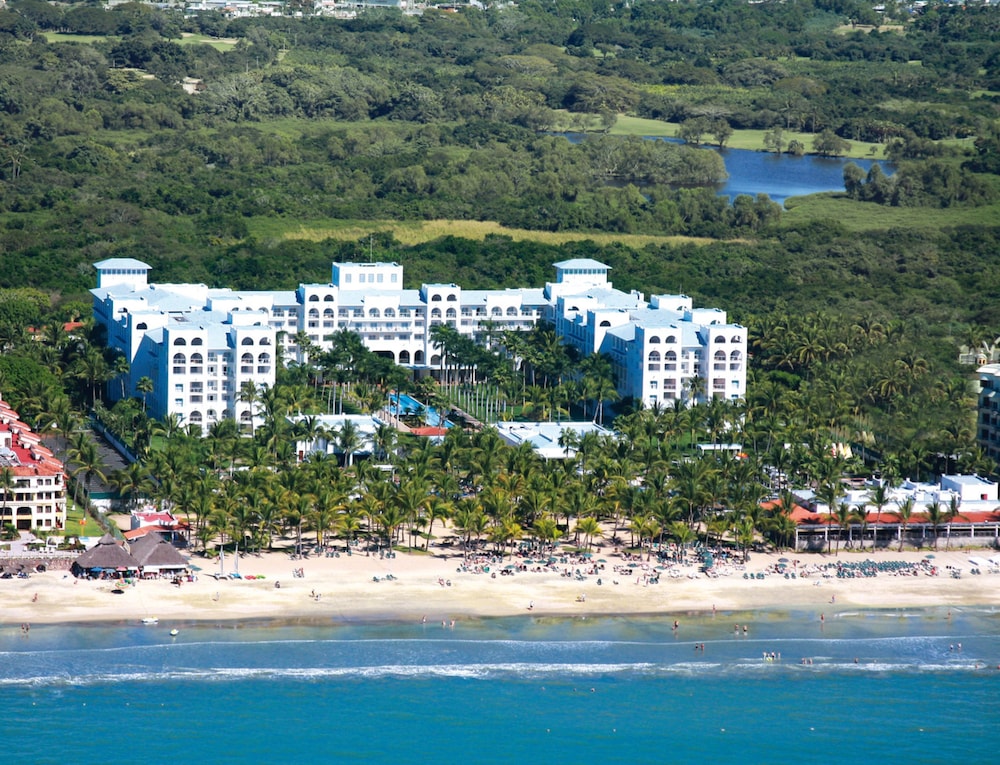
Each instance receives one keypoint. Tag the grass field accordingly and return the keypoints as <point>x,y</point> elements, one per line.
<point>417,232</point>
<point>860,216</point>
<point>741,139</point>
<point>187,38</point>
<point>219,43</point>
<point>61,37</point>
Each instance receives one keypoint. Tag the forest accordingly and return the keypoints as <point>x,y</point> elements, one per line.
<point>210,148</point>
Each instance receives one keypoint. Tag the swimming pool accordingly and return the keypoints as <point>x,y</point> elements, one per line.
<point>402,405</point>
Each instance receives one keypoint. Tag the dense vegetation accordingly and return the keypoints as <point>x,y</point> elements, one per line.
<point>391,117</point>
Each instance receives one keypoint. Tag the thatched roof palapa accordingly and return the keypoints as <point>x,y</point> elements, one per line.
<point>108,554</point>
<point>154,553</point>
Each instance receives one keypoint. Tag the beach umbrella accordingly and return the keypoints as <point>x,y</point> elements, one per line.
<point>783,560</point>
<point>601,560</point>
<point>929,556</point>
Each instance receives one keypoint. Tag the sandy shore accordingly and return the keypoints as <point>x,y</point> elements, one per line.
<point>343,589</point>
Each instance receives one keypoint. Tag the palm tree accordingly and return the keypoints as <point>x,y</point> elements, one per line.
<point>349,441</point>
<point>843,518</point>
<point>589,527</point>
<point>903,515</point>
<point>880,498</point>
<point>860,516</point>
<point>935,516</point>
<point>950,514</point>
<point>92,369</point>
<point>250,395</point>
<point>6,485</point>
<point>144,386</point>
<point>121,369</point>
<point>89,463</point>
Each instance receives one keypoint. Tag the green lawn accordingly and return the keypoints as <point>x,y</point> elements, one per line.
<point>417,232</point>
<point>62,37</point>
<point>741,139</point>
<point>219,43</point>
<point>862,216</point>
<point>73,528</point>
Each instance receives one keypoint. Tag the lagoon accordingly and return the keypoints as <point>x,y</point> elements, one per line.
<point>778,176</point>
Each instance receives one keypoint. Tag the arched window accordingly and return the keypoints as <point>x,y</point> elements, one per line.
<point>435,298</point>
<point>264,341</point>
<point>328,298</point>
<point>196,417</point>
<point>736,339</point>
<point>720,339</point>
<point>435,360</point>
<point>197,341</point>
<point>720,355</point>
<point>390,313</point>
<point>654,340</point>
<point>142,325</point>
<point>246,358</point>
<point>605,323</point>
<point>264,358</point>
<point>314,298</point>
<point>247,341</point>
<point>404,357</point>
<point>374,313</point>
<point>197,358</point>
<point>452,298</point>
<point>670,340</point>
<point>435,313</point>
<point>511,311</point>
<point>654,356</point>
<point>180,341</point>
<point>179,359</point>
<point>497,311</point>
<point>328,313</point>
<point>418,357</point>
<point>451,313</point>
<point>313,313</point>
<point>245,416</point>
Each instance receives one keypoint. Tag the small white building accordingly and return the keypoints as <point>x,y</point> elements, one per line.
<point>327,434</point>
<point>550,440</point>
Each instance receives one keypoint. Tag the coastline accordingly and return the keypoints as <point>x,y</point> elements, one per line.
<point>344,590</point>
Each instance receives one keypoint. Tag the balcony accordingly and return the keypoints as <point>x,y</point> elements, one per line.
<point>180,370</point>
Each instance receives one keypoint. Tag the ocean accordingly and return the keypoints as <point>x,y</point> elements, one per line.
<point>906,686</point>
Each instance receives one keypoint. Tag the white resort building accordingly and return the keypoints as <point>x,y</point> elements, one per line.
<point>199,345</point>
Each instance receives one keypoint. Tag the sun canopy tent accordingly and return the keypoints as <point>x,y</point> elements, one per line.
<point>107,555</point>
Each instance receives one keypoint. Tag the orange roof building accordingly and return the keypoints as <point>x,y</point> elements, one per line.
<point>36,495</point>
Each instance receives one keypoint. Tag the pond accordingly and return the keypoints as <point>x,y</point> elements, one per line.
<point>778,176</point>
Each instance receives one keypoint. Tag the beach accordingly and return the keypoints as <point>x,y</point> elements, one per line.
<point>434,587</point>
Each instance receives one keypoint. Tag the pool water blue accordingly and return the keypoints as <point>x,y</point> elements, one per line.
<point>403,405</point>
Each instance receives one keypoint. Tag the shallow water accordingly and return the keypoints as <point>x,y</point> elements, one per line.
<point>504,690</point>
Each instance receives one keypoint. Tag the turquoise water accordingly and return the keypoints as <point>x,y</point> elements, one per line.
<point>510,690</point>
